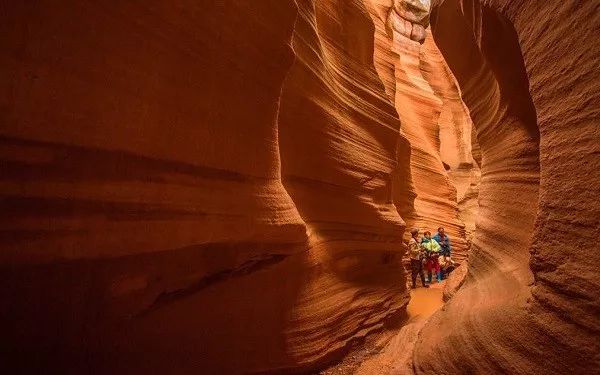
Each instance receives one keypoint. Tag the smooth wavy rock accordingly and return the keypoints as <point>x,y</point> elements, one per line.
<point>420,104</point>
<point>338,133</point>
<point>132,213</point>
<point>456,137</point>
<point>224,186</point>
<point>530,302</point>
<point>385,58</point>
<point>182,190</point>
<point>434,120</point>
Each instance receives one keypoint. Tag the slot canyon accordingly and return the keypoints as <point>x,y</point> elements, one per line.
<point>228,187</point>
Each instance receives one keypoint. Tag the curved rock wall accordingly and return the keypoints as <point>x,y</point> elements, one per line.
<point>338,133</point>
<point>421,100</point>
<point>434,120</point>
<point>131,209</point>
<point>456,137</point>
<point>218,186</point>
<point>533,302</point>
<point>182,190</point>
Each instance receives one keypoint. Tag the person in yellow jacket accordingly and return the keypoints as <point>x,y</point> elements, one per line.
<point>416,254</point>
<point>432,249</point>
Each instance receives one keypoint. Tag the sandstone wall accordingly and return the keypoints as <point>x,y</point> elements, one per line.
<point>420,103</point>
<point>434,120</point>
<point>222,186</point>
<point>181,190</point>
<point>128,193</point>
<point>532,298</point>
<point>338,134</point>
<point>456,138</point>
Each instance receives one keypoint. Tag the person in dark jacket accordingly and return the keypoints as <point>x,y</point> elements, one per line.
<point>416,255</point>
<point>444,241</point>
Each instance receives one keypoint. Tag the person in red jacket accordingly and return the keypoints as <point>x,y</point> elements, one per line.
<point>432,249</point>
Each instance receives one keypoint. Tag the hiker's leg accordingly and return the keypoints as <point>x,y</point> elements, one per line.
<point>422,274</point>
<point>413,273</point>
<point>428,269</point>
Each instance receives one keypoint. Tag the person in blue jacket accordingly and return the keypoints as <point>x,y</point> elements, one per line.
<point>442,238</point>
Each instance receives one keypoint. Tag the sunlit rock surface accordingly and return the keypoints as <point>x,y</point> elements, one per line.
<point>423,104</point>
<point>338,133</point>
<point>434,120</point>
<point>456,139</point>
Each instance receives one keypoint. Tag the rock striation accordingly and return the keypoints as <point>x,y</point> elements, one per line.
<point>338,134</point>
<point>457,140</point>
<point>195,186</point>
<point>434,120</point>
<point>530,302</point>
<point>132,213</point>
<point>224,187</point>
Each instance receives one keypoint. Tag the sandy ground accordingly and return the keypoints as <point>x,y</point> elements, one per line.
<point>390,351</point>
<point>425,301</point>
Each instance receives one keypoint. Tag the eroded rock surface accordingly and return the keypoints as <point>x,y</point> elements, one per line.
<point>338,134</point>
<point>530,302</point>
<point>434,120</point>
<point>224,186</point>
<point>182,190</point>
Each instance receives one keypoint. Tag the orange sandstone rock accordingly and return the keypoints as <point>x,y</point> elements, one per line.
<point>530,302</point>
<point>338,133</point>
<point>434,120</point>
<point>224,188</point>
<point>183,191</point>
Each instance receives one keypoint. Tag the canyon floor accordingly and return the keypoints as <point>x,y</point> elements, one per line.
<point>386,353</point>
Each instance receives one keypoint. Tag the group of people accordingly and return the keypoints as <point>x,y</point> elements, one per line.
<point>431,254</point>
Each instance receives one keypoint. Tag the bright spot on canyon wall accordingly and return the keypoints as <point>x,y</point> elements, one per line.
<point>225,186</point>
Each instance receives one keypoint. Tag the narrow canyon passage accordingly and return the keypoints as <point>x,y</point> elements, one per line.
<point>228,187</point>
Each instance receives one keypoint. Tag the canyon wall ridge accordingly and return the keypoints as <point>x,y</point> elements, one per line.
<point>532,297</point>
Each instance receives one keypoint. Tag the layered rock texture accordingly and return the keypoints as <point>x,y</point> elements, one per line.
<point>424,103</point>
<point>182,190</point>
<point>530,303</point>
<point>456,138</point>
<point>434,120</point>
<point>338,134</point>
<point>224,186</point>
<point>141,185</point>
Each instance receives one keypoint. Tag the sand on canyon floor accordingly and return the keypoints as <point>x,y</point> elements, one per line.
<point>390,352</point>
